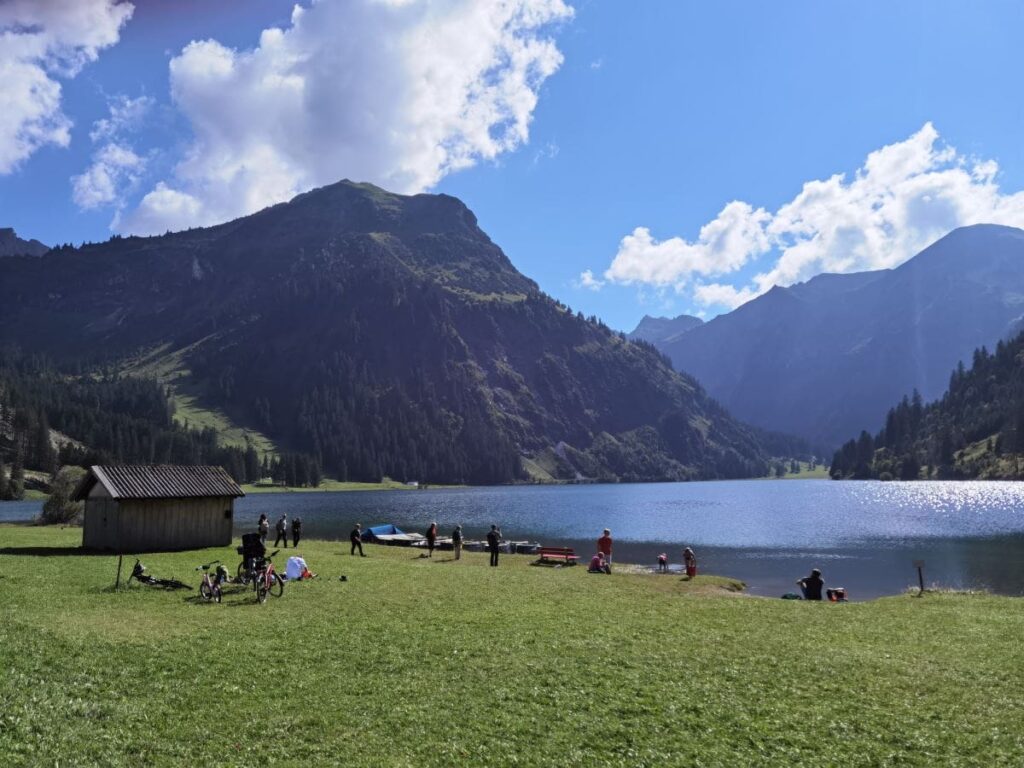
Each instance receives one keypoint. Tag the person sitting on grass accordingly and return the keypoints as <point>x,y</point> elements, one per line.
<point>811,585</point>
<point>598,564</point>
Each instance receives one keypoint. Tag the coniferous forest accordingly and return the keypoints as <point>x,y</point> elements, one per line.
<point>976,430</point>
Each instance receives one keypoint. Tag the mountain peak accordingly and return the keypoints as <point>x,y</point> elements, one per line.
<point>12,245</point>
<point>659,330</point>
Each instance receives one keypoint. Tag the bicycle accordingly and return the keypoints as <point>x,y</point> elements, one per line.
<point>140,575</point>
<point>210,589</point>
<point>267,581</point>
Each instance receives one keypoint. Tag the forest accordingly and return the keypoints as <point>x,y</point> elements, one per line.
<point>976,430</point>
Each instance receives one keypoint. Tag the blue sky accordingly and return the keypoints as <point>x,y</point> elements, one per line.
<point>655,115</point>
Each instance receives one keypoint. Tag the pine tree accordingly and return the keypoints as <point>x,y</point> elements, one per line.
<point>16,489</point>
<point>4,488</point>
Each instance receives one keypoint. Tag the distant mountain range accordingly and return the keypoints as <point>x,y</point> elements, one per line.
<point>826,358</point>
<point>662,330</point>
<point>12,245</point>
<point>382,334</point>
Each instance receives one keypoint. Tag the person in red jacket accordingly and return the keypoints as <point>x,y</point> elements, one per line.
<point>604,546</point>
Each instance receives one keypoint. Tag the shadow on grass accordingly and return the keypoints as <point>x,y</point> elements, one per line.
<point>53,552</point>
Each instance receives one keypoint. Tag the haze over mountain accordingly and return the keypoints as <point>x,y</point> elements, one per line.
<point>383,334</point>
<point>12,245</point>
<point>826,358</point>
<point>660,330</point>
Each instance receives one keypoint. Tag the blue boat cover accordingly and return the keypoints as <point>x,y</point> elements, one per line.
<point>381,530</point>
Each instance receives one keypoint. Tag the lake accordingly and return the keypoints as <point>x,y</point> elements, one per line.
<point>862,535</point>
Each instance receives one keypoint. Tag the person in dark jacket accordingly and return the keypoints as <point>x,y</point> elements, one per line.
<point>811,585</point>
<point>296,531</point>
<point>457,542</point>
<point>493,542</point>
<point>356,537</point>
<point>264,528</point>
<point>282,532</point>
<point>431,539</point>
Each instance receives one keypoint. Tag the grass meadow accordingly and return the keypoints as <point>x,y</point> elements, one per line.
<point>416,662</point>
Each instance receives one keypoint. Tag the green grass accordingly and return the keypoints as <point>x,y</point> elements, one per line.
<point>387,484</point>
<point>168,367</point>
<point>820,472</point>
<point>416,662</point>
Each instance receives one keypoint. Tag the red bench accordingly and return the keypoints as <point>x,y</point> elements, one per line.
<point>566,554</point>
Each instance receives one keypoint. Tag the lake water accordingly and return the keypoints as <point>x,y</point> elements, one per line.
<point>862,535</point>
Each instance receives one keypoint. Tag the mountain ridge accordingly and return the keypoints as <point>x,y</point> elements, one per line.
<point>827,357</point>
<point>383,334</point>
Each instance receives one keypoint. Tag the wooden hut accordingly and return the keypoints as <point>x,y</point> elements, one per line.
<point>150,508</point>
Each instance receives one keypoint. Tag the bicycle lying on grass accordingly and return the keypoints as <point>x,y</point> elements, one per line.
<point>210,587</point>
<point>140,575</point>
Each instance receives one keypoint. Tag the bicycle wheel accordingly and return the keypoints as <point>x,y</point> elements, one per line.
<point>277,587</point>
<point>217,594</point>
<point>261,590</point>
<point>243,573</point>
<point>206,591</point>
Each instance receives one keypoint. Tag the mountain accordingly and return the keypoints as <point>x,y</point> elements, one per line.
<point>976,430</point>
<point>381,334</point>
<point>659,330</point>
<point>12,245</point>
<point>826,358</point>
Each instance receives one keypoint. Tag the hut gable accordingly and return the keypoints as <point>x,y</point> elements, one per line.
<point>159,481</point>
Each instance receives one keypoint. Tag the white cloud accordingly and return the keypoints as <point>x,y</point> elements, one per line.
<point>587,280</point>
<point>41,41</point>
<point>724,245</point>
<point>905,196</point>
<point>126,114</point>
<point>719,294</point>
<point>396,92</point>
<point>113,168</point>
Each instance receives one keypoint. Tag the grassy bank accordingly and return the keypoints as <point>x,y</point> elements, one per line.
<point>387,484</point>
<point>431,662</point>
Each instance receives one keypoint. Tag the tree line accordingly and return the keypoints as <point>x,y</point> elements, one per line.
<point>975,430</point>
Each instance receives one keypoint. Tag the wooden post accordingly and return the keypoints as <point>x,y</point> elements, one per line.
<point>117,582</point>
<point>919,564</point>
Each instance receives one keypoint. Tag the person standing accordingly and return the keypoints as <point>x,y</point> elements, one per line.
<point>296,531</point>
<point>356,537</point>
<point>457,542</point>
<point>264,529</point>
<point>493,542</point>
<point>811,585</point>
<point>604,545</point>
<point>690,561</point>
<point>282,531</point>
<point>431,539</point>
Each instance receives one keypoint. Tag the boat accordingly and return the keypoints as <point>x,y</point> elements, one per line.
<point>391,535</point>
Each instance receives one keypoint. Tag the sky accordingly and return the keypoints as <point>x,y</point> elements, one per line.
<point>656,157</point>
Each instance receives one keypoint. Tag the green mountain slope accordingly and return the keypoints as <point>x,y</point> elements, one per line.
<point>384,335</point>
<point>976,430</point>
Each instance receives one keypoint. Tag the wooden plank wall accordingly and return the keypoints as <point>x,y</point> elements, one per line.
<point>148,525</point>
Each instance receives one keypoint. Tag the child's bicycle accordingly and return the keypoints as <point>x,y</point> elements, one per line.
<point>140,575</point>
<point>265,580</point>
<point>210,587</point>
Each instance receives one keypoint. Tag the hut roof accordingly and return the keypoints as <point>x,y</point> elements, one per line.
<point>159,481</point>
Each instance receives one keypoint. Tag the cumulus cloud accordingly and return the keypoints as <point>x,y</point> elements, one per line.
<point>115,168</point>
<point>587,280</point>
<point>42,41</point>
<point>396,92</point>
<point>904,197</point>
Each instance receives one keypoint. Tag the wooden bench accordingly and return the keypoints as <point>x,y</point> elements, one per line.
<point>566,554</point>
